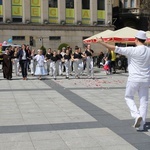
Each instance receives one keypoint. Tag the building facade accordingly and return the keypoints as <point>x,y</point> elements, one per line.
<point>52,22</point>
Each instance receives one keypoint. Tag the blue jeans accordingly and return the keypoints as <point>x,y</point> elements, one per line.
<point>23,64</point>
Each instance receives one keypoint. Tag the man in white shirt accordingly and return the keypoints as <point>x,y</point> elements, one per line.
<point>139,76</point>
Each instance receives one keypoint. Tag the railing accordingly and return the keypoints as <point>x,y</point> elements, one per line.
<point>130,11</point>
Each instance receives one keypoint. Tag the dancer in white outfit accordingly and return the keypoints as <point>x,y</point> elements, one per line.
<point>16,62</point>
<point>89,62</point>
<point>40,69</point>
<point>66,59</point>
<point>32,62</point>
<point>48,59</point>
<point>139,76</point>
<point>53,64</point>
<point>81,58</point>
<point>59,63</point>
<point>76,60</point>
<point>62,64</point>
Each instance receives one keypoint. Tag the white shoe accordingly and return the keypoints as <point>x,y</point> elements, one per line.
<point>141,128</point>
<point>137,122</point>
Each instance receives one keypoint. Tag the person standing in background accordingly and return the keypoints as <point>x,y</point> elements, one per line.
<point>23,56</point>
<point>66,59</point>
<point>48,56</point>
<point>100,59</point>
<point>28,60</point>
<point>63,52</point>
<point>16,61</point>
<point>108,57</point>
<point>89,61</point>
<point>7,64</point>
<point>53,64</point>
<point>113,61</point>
<point>32,62</point>
<point>59,63</point>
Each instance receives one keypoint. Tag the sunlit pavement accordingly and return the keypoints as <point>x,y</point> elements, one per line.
<point>68,114</point>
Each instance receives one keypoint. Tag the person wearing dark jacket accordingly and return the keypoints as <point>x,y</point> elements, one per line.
<point>7,64</point>
<point>100,59</point>
<point>23,56</point>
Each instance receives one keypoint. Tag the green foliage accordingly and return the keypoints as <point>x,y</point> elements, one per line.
<point>43,49</point>
<point>62,45</point>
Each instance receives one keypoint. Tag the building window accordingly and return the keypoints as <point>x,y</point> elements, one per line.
<point>16,11</point>
<point>16,19</point>
<point>125,3</point>
<point>70,12</point>
<point>86,12</point>
<point>69,3</point>
<point>54,38</point>
<point>53,11</point>
<point>132,3</point>
<point>1,10</point>
<point>35,6</point>
<point>85,4</point>
<point>18,38</point>
<point>52,3</point>
<point>100,4</point>
<point>100,12</point>
<point>100,22</point>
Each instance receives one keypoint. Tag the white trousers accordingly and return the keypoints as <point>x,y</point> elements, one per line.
<point>142,89</point>
<point>75,67</point>
<point>48,66</point>
<point>58,67</point>
<point>53,68</point>
<point>80,66</point>
<point>67,66</point>
<point>32,66</point>
<point>89,66</point>
<point>16,66</point>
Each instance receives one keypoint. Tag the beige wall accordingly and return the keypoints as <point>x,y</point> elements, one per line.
<point>72,38</point>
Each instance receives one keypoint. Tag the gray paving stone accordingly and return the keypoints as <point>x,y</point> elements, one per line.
<point>17,146</point>
<point>73,114</point>
<point>52,144</point>
<point>81,142</point>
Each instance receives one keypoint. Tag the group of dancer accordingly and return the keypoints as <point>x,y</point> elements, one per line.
<point>54,62</point>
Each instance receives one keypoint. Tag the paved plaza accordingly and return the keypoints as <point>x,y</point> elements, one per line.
<point>68,114</point>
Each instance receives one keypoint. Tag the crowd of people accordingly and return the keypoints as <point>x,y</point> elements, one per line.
<point>54,63</point>
<point>66,61</point>
<point>111,61</point>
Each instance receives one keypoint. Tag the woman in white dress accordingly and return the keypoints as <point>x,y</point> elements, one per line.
<point>40,69</point>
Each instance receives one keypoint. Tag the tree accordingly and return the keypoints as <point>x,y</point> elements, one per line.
<point>62,45</point>
<point>44,50</point>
